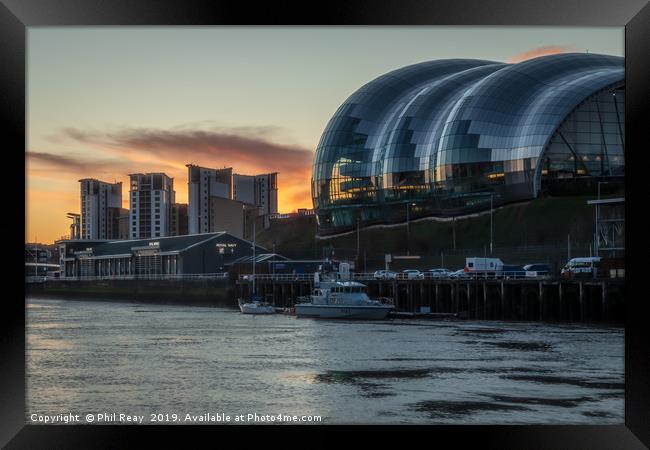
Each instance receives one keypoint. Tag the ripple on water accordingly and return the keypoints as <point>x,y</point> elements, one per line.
<point>437,409</point>
<point>84,356</point>
<point>552,379</point>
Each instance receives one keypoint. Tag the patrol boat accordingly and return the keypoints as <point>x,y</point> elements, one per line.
<point>336,297</point>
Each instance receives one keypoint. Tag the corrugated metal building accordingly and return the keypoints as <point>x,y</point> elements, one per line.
<point>177,255</point>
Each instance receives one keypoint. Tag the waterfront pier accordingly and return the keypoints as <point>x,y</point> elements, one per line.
<point>570,300</point>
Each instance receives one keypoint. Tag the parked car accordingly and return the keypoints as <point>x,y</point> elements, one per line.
<point>437,273</point>
<point>461,273</point>
<point>510,271</point>
<point>412,274</point>
<point>385,275</point>
<point>581,267</point>
<point>483,266</point>
<point>537,270</point>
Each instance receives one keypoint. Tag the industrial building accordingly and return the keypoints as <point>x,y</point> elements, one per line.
<point>448,137</point>
<point>151,197</point>
<point>205,253</point>
<point>101,205</point>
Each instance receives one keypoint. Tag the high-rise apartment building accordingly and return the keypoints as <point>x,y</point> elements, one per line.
<point>151,197</point>
<point>179,219</point>
<point>259,191</point>
<point>100,204</point>
<point>204,183</point>
<point>123,224</point>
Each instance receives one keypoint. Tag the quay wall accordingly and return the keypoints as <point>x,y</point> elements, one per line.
<point>586,300</point>
<point>204,292</point>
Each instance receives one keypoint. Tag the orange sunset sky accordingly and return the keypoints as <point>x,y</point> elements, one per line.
<point>108,101</point>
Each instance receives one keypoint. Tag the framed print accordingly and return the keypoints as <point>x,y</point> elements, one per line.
<point>412,216</point>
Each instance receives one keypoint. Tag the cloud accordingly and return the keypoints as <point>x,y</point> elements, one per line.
<point>74,163</point>
<point>541,51</point>
<point>247,146</point>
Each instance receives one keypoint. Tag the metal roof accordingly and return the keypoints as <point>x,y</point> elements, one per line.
<point>163,244</point>
<point>606,200</point>
<point>262,257</point>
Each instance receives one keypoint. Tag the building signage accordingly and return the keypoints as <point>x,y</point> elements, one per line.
<point>154,244</point>
<point>220,245</point>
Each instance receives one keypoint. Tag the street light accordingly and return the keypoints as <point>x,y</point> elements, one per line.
<point>491,220</point>
<point>358,241</point>
<point>408,229</point>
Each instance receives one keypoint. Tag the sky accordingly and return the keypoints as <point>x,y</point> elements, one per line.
<point>103,102</point>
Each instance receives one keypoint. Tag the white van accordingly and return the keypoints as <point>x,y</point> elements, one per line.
<point>581,267</point>
<point>489,266</point>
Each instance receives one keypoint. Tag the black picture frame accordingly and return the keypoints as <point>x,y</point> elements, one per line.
<point>634,15</point>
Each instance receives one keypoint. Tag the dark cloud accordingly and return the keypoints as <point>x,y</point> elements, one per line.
<point>247,145</point>
<point>65,162</point>
<point>80,165</point>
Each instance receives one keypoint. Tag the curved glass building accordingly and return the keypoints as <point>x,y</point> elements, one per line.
<point>448,137</point>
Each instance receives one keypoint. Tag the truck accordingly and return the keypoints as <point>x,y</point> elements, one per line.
<point>483,266</point>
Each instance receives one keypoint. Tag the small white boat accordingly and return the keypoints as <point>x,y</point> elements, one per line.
<point>256,307</point>
<point>336,298</point>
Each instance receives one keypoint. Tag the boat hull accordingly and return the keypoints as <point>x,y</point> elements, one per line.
<point>247,309</point>
<point>342,312</point>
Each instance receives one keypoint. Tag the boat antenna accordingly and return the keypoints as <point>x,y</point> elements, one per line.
<point>253,296</point>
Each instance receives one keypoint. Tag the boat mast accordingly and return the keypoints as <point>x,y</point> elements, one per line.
<point>252,296</point>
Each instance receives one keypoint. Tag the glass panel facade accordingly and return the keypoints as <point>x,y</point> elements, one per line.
<point>447,136</point>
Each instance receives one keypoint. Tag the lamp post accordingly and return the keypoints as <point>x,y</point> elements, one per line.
<point>491,220</point>
<point>408,228</point>
<point>358,261</point>
<point>243,209</point>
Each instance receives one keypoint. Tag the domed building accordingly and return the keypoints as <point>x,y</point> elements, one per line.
<point>448,137</point>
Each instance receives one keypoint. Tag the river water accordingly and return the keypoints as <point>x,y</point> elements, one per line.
<point>125,358</point>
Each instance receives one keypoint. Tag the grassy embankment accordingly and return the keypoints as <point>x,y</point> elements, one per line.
<point>534,231</point>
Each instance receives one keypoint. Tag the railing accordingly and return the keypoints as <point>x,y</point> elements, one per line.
<point>35,279</point>
<point>194,276</point>
<point>278,277</point>
<point>507,275</point>
<point>395,276</point>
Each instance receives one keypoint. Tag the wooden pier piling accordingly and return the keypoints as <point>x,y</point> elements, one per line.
<point>478,299</point>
